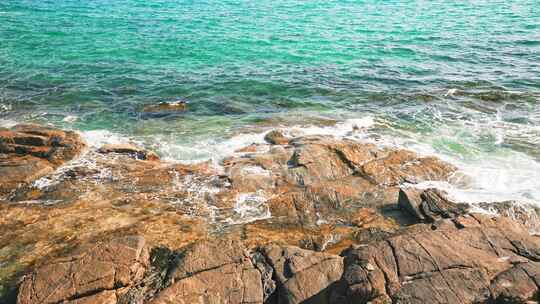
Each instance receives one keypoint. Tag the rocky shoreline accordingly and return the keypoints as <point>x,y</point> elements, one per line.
<point>312,219</point>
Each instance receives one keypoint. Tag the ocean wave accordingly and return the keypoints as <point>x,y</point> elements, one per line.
<point>494,171</point>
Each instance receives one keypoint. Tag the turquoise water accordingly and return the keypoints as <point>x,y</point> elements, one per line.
<point>456,78</point>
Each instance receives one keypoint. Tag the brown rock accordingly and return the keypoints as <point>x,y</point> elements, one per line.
<point>313,188</point>
<point>28,152</point>
<point>523,213</point>
<point>406,166</point>
<point>129,149</point>
<point>452,264</point>
<point>302,275</point>
<point>104,297</point>
<point>214,272</point>
<point>517,284</point>
<point>315,160</point>
<point>276,137</point>
<point>103,267</point>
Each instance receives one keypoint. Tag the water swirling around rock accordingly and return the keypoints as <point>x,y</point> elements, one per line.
<point>455,79</point>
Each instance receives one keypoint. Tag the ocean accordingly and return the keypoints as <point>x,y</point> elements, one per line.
<point>455,79</point>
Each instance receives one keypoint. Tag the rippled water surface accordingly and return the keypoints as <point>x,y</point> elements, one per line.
<point>460,79</point>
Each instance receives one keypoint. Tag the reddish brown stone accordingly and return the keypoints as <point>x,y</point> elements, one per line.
<point>102,267</point>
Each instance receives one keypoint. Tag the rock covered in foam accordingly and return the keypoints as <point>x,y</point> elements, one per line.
<point>524,213</point>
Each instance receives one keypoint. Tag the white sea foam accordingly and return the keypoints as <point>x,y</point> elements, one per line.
<point>205,149</point>
<point>98,138</point>
<point>450,92</point>
<point>5,107</point>
<point>501,174</point>
<point>249,207</point>
<point>70,118</point>
<point>6,123</point>
<point>497,175</point>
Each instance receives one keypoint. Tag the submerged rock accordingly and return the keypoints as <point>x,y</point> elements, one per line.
<point>178,106</point>
<point>276,137</point>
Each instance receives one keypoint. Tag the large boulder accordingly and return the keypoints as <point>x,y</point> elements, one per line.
<point>429,205</point>
<point>401,166</point>
<point>468,259</point>
<point>213,272</point>
<point>28,152</point>
<point>303,276</point>
<point>276,137</point>
<point>98,274</point>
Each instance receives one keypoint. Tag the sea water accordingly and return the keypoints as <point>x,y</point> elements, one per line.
<point>456,79</point>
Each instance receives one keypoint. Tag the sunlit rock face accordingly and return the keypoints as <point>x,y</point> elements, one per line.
<point>466,258</point>
<point>316,192</point>
<point>28,152</point>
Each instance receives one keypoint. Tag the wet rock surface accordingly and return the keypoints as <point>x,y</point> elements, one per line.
<point>28,152</point>
<point>523,213</point>
<point>278,223</point>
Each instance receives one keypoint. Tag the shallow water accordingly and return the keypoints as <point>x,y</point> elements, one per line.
<point>456,79</point>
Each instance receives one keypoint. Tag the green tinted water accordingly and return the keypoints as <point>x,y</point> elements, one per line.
<point>459,78</point>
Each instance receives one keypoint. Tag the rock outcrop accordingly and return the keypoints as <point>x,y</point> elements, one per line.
<point>316,178</point>
<point>470,259</point>
<point>268,228</point>
<point>303,276</point>
<point>213,272</point>
<point>129,149</point>
<point>100,274</point>
<point>28,152</point>
<point>429,205</point>
<point>276,137</point>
